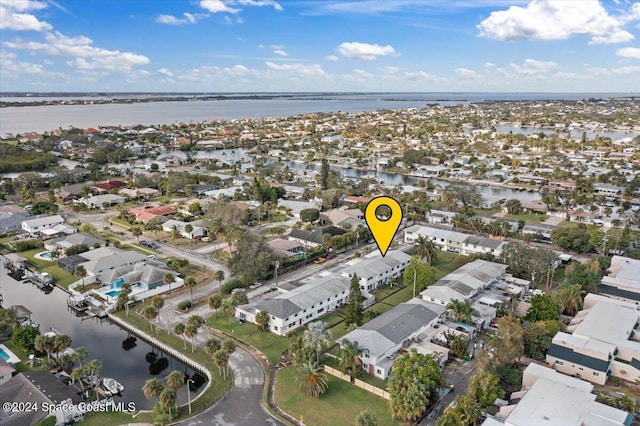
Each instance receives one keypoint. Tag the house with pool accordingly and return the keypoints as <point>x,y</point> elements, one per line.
<point>146,279</point>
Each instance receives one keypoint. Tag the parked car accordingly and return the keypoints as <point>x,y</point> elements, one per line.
<point>320,260</point>
<point>331,256</point>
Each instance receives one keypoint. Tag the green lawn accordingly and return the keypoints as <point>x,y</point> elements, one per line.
<point>59,275</point>
<point>107,418</point>
<point>340,405</point>
<point>23,365</point>
<point>270,344</point>
<point>528,216</point>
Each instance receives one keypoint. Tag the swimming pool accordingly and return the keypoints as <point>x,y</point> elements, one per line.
<point>113,293</point>
<point>4,355</point>
<point>45,255</point>
<point>117,284</point>
<point>7,355</point>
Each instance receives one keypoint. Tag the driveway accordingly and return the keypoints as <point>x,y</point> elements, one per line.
<point>459,373</point>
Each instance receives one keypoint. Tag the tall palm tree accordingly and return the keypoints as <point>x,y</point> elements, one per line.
<point>175,380</point>
<point>229,346</point>
<point>93,368</point>
<point>191,331</point>
<point>316,336</point>
<point>215,302</point>
<point>158,303</point>
<point>76,375</point>
<point>44,343</point>
<point>228,307</point>
<point>348,357</point>
<point>571,298</point>
<point>152,388</point>
<point>168,399</point>
<point>212,346</point>
<point>80,272</point>
<point>169,278</point>
<point>175,233</point>
<point>311,380</point>
<point>11,318</point>
<point>179,329</point>
<point>221,359</point>
<point>457,307</point>
<point>190,283</point>
<point>219,276</point>
<point>60,343</point>
<point>80,353</point>
<point>150,312</point>
<point>136,231</point>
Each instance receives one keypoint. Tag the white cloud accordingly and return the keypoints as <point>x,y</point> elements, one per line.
<point>13,18</point>
<point>629,52</point>
<point>298,70</point>
<point>420,75</point>
<point>533,67</point>
<point>467,74</point>
<point>489,64</point>
<point>557,20</point>
<point>189,18</point>
<point>217,6</point>
<point>332,58</point>
<point>280,52</point>
<point>260,3</point>
<point>631,69</point>
<point>9,67</point>
<point>84,55</point>
<point>166,72</point>
<point>390,70</point>
<point>364,51</point>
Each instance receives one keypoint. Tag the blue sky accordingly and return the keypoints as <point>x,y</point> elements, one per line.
<point>320,45</point>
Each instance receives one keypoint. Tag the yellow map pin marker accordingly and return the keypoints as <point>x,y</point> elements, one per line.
<point>384,224</point>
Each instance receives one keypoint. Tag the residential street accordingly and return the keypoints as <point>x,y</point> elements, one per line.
<point>459,373</point>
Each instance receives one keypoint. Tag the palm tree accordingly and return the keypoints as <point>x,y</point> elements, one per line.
<point>169,278</point>
<point>461,310</point>
<point>158,303</point>
<point>366,418</point>
<point>219,276</point>
<point>80,272</point>
<point>60,343</point>
<point>191,331</point>
<point>80,353</point>
<point>571,298</point>
<point>44,343</point>
<point>175,380</point>
<point>76,375</point>
<point>229,346</point>
<point>316,336</point>
<point>175,233</point>
<point>11,318</point>
<point>152,388</point>
<point>167,399</point>
<point>212,346</point>
<point>179,329</point>
<point>221,359</point>
<point>229,308</point>
<point>311,380</point>
<point>215,302</point>
<point>262,320</point>
<point>150,312</point>
<point>190,283</point>
<point>136,231</point>
<point>93,368</point>
<point>348,357</point>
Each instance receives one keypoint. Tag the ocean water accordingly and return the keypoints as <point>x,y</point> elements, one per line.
<point>15,120</point>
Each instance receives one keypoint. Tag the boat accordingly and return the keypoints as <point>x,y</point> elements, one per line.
<point>112,386</point>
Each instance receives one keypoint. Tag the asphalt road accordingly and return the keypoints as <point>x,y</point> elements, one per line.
<point>459,374</point>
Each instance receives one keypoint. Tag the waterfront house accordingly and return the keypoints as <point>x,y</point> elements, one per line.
<point>293,309</point>
<point>63,243</point>
<point>453,241</point>
<point>35,226</point>
<point>101,200</point>
<point>103,259</point>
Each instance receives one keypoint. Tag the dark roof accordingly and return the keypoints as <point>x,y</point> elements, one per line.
<point>401,321</point>
<point>615,291</point>
<point>279,308</point>
<point>52,387</point>
<point>20,389</point>
<point>315,236</point>
<point>570,355</point>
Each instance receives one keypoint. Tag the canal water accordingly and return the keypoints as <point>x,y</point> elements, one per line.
<point>129,360</point>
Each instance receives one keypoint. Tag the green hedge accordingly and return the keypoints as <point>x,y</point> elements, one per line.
<point>232,284</point>
<point>185,305</point>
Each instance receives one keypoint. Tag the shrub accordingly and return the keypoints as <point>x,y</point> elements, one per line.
<point>26,245</point>
<point>185,305</point>
<point>232,284</point>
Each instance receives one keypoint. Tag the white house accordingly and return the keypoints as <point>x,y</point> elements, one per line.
<point>293,309</point>
<point>33,226</point>
<point>453,241</point>
<point>374,270</point>
<point>197,231</point>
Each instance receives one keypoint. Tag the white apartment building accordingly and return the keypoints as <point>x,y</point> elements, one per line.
<point>453,241</point>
